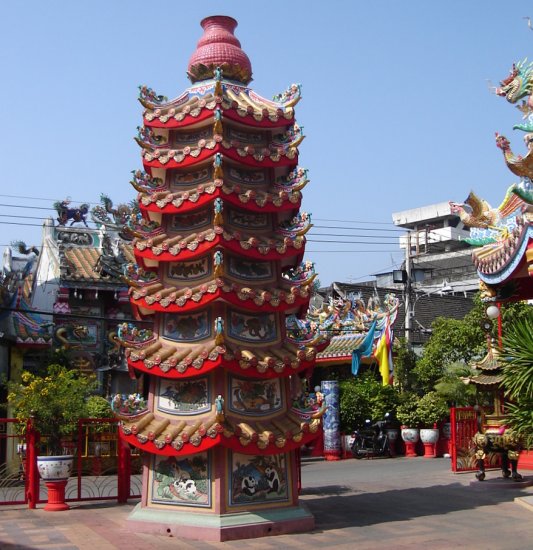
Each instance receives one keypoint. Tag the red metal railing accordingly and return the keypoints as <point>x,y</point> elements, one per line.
<point>103,465</point>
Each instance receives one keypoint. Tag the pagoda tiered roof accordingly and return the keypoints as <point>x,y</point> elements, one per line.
<point>274,154</point>
<point>157,297</point>
<point>165,248</point>
<point>160,435</point>
<point>236,102</point>
<point>490,370</point>
<point>173,361</point>
<point>169,202</point>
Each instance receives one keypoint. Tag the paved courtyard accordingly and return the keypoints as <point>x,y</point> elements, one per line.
<point>369,504</point>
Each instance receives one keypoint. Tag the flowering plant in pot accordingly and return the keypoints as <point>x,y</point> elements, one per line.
<point>432,408</point>
<point>54,403</point>
<point>407,415</point>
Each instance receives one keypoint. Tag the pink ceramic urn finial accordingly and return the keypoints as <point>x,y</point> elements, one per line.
<point>219,48</point>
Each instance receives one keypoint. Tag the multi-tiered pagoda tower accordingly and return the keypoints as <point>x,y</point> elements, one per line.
<point>219,249</point>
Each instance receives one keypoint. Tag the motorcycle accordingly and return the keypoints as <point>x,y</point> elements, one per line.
<point>371,440</point>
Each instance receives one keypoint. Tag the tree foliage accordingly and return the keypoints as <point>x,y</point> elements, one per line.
<point>460,340</point>
<point>365,398</point>
<point>404,365</point>
<point>55,402</point>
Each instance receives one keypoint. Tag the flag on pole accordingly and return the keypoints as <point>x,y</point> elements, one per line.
<point>383,353</point>
<point>364,350</point>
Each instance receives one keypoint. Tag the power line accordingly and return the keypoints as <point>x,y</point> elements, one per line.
<point>347,251</point>
<point>345,242</point>
<point>26,207</point>
<point>356,228</point>
<point>72,315</point>
<point>354,236</point>
<point>351,221</point>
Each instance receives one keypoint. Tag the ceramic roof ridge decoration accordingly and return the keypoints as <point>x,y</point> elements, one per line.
<point>503,236</point>
<point>219,48</point>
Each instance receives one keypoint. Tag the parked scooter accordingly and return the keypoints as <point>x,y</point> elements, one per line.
<point>371,440</point>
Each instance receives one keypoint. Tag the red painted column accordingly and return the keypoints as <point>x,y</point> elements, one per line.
<point>32,473</point>
<point>124,471</point>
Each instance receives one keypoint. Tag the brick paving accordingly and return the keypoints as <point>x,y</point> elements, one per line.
<point>370,504</point>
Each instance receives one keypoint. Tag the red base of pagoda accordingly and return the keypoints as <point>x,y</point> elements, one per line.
<point>56,496</point>
<point>221,528</point>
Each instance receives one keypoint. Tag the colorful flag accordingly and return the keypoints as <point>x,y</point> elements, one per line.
<point>364,350</point>
<point>383,354</point>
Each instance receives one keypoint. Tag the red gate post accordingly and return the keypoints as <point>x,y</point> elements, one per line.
<point>298,457</point>
<point>32,474</point>
<point>123,471</point>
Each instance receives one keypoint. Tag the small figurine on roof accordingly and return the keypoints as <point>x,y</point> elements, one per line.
<point>218,260</point>
<point>218,206</point>
<point>217,163</point>
<point>219,407</point>
<point>219,331</point>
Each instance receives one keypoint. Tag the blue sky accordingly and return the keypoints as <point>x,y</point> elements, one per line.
<point>396,107</point>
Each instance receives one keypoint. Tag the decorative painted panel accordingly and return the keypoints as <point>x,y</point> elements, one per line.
<point>255,138</point>
<point>191,178</point>
<point>194,220</point>
<point>239,175</point>
<point>258,479</point>
<point>181,482</point>
<point>241,268</point>
<point>187,271</point>
<point>78,335</point>
<point>249,220</point>
<point>255,397</point>
<point>253,328</point>
<point>183,396</point>
<point>184,138</point>
<point>78,238</point>
<point>186,328</point>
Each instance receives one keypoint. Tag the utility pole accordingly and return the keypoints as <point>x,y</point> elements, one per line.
<point>408,325</point>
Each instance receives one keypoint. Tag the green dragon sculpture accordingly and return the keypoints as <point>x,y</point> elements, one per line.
<point>519,85</point>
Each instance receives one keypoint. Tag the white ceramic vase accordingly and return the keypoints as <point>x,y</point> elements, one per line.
<point>55,468</point>
<point>429,435</point>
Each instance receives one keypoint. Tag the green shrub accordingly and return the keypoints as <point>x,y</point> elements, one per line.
<point>407,411</point>
<point>365,398</point>
<point>432,408</point>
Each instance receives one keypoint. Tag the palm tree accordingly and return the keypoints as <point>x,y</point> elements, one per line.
<point>518,375</point>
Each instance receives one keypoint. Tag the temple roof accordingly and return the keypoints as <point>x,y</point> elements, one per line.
<point>219,47</point>
<point>88,264</point>
<point>347,320</point>
<point>30,329</point>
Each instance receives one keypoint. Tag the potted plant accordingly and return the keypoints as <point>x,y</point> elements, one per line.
<point>407,415</point>
<point>432,408</point>
<point>53,403</point>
